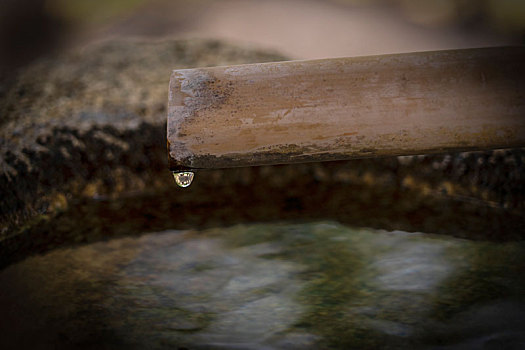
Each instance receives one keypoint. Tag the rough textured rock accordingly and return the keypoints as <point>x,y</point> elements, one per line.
<point>83,157</point>
<point>94,120</point>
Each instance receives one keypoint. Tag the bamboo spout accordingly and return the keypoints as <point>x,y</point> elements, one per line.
<point>343,108</point>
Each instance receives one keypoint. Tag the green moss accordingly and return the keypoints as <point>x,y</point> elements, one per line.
<point>491,268</point>
<point>333,278</point>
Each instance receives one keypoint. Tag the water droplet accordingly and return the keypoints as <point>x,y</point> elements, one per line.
<point>183,179</point>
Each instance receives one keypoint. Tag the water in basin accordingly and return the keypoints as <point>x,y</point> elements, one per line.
<point>269,286</point>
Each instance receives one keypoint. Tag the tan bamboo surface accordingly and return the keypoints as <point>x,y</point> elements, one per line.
<point>343,108</point>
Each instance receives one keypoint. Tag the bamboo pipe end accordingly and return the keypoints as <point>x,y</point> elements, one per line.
<point>343,108</point>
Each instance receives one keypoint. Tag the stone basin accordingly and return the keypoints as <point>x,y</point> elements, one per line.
<point>100,249</point>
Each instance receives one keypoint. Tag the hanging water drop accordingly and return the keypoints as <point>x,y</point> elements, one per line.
<point>183,179</point>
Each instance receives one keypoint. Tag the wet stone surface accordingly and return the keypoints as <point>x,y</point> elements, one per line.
<point>93,120</point>
<point>268,286</point>
<point>91,124</point>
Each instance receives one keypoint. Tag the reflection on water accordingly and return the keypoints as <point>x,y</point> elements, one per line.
<point>269,286</point>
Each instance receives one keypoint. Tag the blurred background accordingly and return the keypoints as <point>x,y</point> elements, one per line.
<point>300,29</point>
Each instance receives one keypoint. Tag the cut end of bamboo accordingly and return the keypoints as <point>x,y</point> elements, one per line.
<point>344,108</point>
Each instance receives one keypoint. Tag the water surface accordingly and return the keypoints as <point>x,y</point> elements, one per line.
<point>269,286</point>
